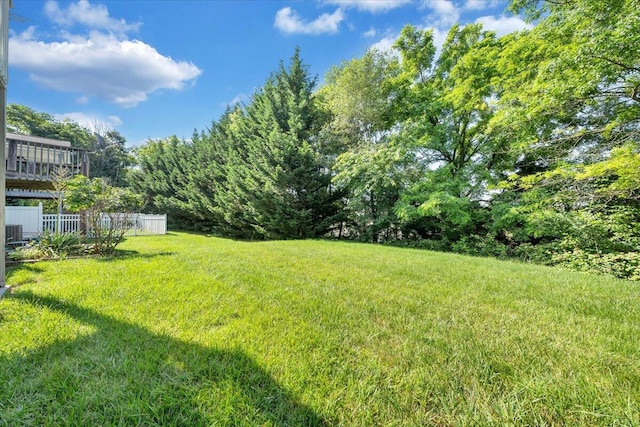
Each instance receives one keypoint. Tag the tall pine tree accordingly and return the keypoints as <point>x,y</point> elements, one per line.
<point>162,179</point>
<point>278,177</point>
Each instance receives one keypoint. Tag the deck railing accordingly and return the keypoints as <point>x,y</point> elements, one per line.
<point>35,159</point>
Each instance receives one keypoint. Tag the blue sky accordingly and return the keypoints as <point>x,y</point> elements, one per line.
<point>151,69</point>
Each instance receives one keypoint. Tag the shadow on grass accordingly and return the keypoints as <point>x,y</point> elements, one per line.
<point>13,268</point>
<point>118,255</point>
<point>121,254</point>
<point>123,374</point>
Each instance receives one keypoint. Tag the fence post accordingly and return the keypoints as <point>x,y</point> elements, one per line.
<point>40,219</point>
<point>58,228</point>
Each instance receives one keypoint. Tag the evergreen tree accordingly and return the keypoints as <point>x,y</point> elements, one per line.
<point>207,173</point>
<point>162,179</point>
<point>278,177</point>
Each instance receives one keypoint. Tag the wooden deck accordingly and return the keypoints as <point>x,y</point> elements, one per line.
<point>31,161</point>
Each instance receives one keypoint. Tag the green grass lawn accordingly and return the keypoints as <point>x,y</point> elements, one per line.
<point>192,330</point>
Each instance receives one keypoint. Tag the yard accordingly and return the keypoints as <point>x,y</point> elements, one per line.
<point>193,330</point>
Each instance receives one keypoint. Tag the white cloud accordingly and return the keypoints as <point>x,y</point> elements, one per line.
<point>238,99</point>
<point>371,33</point>
<point>503,24</point>
<point>373,6</point>
<point>99,65</point>
<point>89,121</point>
<point>480,4</point>
<point>439,37</point>
<point>288,21</point>
<point>384,45</point>
<point>91,16</point>
<point>115,121</point>
<point>444,15</point>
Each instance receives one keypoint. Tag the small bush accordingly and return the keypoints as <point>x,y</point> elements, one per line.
<point>480,246</point>
<point>61,243</point>
<point>108,210</point>
<point>429,245</point>
<point>624,265</point>
<point>31,251</point>
<point>535,253</point>
<point>50,246</point>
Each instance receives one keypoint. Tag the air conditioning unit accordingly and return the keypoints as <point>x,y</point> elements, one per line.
<point>13,233</point>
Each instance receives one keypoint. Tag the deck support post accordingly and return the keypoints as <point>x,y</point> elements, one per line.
<point>3,138</point>
<point>5,5</point>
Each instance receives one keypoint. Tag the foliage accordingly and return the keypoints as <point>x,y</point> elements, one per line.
<point>31,251</point>
<point>487,246</point>
<point>448,101</point>
<point>356,94</point>
<point>162,179</point>
<point>111,158</point>
<point>432,166</point>
<point>195,330</point>
<point>278,174</point>
<point>107,210</point>
<point>61,243</point>
<point>574,121</point>
<point>262,171</point>
<point>525,145</point>
<point>50,245</point>
<point>368,166</point>
<point>619,264</point>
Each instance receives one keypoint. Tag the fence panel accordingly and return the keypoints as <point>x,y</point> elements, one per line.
<point>120,221</point>
<point>139,223</point>
<point>68,223</point>
<point>30,217</point>
<point>151,224</point>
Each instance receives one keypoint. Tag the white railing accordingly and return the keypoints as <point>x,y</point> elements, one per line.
<point>62,223</point>
<point>140,223</point>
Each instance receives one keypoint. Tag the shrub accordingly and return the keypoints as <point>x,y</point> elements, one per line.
<point>31,251</point>
<point>480,246</point>
<point>50,245</point>
<point>108,210</point>
<point>61,243</point>
<point>624,265</point>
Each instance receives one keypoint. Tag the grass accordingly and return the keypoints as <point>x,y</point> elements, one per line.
<point>193,330</point>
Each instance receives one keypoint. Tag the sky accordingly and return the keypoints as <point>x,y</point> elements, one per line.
<point>152,69</point>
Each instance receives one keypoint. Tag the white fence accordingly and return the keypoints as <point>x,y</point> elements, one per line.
<point>34,222</point>
<point>140,223</point>
<point>151,224</point>
<point>30,217</point>
<point>64,223</point>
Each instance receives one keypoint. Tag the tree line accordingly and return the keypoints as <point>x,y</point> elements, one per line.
<point>523,146</point>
